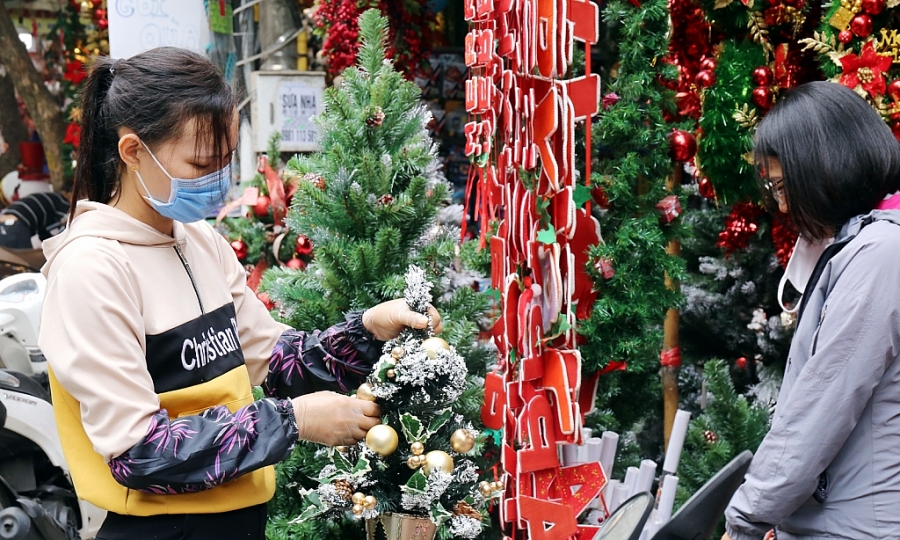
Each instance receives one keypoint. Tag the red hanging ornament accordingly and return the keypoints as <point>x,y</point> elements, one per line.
<point>845,37</point>
<point>741,363</point>
<point>261,208</point>
<point>682,145</point>
<point>894,89</point>
<point>599,196</point>
<point>763,98</point>
<point>669,209</point>
<point>705,78</point>
<point>706,188</point>
<point>873,7</point>
<point>763,76</point>
<point>103,24</point>
<point>605,268</point>
<point>295,264</point>
<point>740,226</point>
<point>240,249</point>
<point>304,245</point>
<point>784,236</point>
<point>264,297</point>
<point>861,25</point>
<point>709,63</point>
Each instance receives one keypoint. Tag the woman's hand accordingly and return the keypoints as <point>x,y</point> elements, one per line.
<point>334,419</point>
<point>386,320</point>
<point>726,537</point>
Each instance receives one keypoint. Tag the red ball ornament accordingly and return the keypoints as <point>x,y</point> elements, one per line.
<point>240,249</point>
<point>264,297</point>
<point>103,24</point>
<point>304,245</point>
<point>763,76</point>
<point>861,25</point>
<point>894,89</point>
<point>261,208</point>
<point>741,363</point>
<point>295,264</point>
<point>873,7</point>
<point>709,63</point>
<point>763,97</point>
<point>706,188</point>
<point>682,145</point>
<point>600,197</point>
<point>845,37</point>
<point>705,78</point>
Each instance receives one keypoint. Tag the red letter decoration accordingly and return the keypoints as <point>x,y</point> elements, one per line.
<point>521,139</point>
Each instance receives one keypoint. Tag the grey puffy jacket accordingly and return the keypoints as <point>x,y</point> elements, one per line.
<point>830,465</point>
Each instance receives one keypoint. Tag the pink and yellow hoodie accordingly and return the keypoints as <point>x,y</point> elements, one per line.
<point>154,343</point>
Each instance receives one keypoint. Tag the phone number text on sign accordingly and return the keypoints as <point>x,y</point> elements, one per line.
<point>299,103</point>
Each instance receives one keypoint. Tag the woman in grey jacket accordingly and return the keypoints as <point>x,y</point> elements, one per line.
<point>830,465</point>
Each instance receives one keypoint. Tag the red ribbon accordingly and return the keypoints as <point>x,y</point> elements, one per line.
<point>670,358</point>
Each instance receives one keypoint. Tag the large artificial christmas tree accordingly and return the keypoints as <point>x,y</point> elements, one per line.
<point>368,201</point>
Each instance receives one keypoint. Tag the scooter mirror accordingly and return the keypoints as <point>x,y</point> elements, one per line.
<point>697,519</point>
<point>627,522</point>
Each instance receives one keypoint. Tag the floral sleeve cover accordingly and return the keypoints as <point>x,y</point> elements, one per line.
<point>337,359</point>
<point>199,452</point>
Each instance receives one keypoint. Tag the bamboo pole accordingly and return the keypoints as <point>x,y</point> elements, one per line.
<point>669,373</point>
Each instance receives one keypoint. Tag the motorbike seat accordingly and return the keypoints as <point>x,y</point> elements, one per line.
<point>27,385</point>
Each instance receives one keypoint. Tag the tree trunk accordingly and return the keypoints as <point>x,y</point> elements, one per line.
<point>43,106</point>
<point>11,124</point>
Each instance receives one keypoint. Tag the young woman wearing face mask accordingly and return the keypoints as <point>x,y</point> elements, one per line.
<point>829,466</point>
<point>153,338</point>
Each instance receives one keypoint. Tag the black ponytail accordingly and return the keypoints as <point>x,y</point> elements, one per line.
<point>154,94</point>
<point>96,168</point>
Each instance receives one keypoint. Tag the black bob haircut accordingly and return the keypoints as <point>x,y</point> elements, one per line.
<point>155,93</point>
<point>838,157</point>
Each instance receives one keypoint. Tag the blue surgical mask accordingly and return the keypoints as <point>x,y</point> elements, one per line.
<point>190,200</point>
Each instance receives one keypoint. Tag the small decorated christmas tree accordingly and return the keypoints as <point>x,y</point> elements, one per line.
<point>417,382</point>
<point>371,202</point>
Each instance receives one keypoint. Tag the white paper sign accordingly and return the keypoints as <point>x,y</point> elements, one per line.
<point>298,103</point>
<point>136,26</point>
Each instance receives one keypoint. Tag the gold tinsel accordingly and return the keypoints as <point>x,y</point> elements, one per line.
<point>463,508</point>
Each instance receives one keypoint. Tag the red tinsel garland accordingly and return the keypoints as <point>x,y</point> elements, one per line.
<point>413,31</point>
<point>691,51</point>
<point>740,226</point>
<point>784,236</point>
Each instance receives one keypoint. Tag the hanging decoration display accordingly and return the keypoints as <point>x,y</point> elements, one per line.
<point>521,141</point>
<point>413,32</point>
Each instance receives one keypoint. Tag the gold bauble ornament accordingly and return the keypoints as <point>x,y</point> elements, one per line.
<point>382,439</point>
<point>462,441</point>
<point>412,462</point>
<point>417,448</point>
<point>357,509</point>
<point>437,460</point>
<point>485,488</point>
<point>497,486</point>
<point>357,498</point>
<point>390,373</point>
<point>364,392</point>
<point>434,344</point>
<point>397,353</point>
<point>369,502</point>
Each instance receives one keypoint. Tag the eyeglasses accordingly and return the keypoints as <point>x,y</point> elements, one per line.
<point>776,188</point>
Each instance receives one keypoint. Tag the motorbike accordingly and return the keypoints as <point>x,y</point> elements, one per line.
<point>37,499</point>
<point>21,298</point>
<point>695,520</point>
